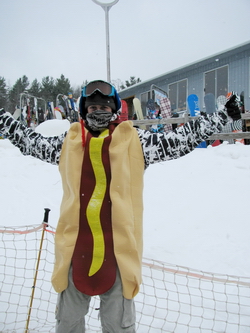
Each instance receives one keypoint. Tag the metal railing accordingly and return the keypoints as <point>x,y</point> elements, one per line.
<point>186,118</point>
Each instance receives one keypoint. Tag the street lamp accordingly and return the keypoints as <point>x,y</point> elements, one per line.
<point>106,7</point>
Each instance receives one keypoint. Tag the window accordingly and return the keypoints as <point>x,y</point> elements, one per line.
<point>216,82</point>
<point>178,95</point>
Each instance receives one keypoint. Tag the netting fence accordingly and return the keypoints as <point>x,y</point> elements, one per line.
<point>172,298</point>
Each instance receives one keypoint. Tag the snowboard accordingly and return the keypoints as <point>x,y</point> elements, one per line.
<point>193,105</point>
<point>65,99</point>
<point>17,114</point>
<point>24,114</point>
<point>237,124</point>
<point>220,102</point>
<point>58,114</point>
<point>138,111</point>
<point>124,111</point>
<point>165,106</point>
<point>220,105</point>
<point>209,101</point>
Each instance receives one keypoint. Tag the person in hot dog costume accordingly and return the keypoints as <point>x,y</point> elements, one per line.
<point>98,241</point>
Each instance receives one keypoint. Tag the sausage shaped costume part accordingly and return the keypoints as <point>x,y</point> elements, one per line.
<point>102,163</point>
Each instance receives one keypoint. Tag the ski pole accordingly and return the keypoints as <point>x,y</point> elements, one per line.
<point>45,224</point>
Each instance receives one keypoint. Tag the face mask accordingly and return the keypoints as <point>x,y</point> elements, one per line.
<point>99,119</point>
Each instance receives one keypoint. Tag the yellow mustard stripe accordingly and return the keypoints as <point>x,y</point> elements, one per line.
<point>103,134</point>
<point>95,203</point>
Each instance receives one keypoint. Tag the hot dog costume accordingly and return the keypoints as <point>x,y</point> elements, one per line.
<point>100,224</point>
<point>112,233</point>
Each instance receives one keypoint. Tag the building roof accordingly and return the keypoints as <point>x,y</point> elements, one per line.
<point>237,52</point>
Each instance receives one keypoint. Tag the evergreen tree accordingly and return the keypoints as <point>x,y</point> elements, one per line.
<point>19,87</point>
<point>62,86</point>
<point>131,82</point>
<point>35,89</point>
<point>47,89</point>
<point>84,83</point>
<point>3,93</point>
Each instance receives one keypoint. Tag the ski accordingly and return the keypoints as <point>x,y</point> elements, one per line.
<point>28,117</point>
<point>50,111</point>
<point>72,107</point>
<point>40,115</point>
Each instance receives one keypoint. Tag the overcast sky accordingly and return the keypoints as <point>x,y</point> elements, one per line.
<point>41,38</point>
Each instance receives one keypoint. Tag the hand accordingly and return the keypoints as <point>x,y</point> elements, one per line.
<point>2,112</point>
<point>233,109</point>
<point>203,113</point>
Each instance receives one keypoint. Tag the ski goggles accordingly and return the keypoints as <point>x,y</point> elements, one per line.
<point>103,87</point>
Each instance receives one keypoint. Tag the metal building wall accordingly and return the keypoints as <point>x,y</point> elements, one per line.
<point>238,60</point>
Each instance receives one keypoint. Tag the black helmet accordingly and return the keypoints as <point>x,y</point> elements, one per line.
<point>101,93</point>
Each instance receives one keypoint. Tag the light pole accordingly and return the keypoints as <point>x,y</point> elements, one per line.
<point>106,7</point>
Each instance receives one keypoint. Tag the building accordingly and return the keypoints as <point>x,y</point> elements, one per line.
<point>217,74</point>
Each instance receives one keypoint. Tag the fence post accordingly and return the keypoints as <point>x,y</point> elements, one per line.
<point>45,224</point>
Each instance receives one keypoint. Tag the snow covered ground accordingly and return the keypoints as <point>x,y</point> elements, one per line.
<point>196,208</point>
<point>195,215</point>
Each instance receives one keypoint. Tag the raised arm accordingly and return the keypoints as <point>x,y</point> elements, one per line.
<point>159,147</point>
<point>29,142</point>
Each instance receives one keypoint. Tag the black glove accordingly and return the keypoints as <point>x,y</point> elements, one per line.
<point>233,109</point>
<point>203,113</point>
<point>2,112</point>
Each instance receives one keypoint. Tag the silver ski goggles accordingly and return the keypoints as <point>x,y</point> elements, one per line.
<point>103,87</point>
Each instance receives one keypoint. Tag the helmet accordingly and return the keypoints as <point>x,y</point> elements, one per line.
<point>100,93</point>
